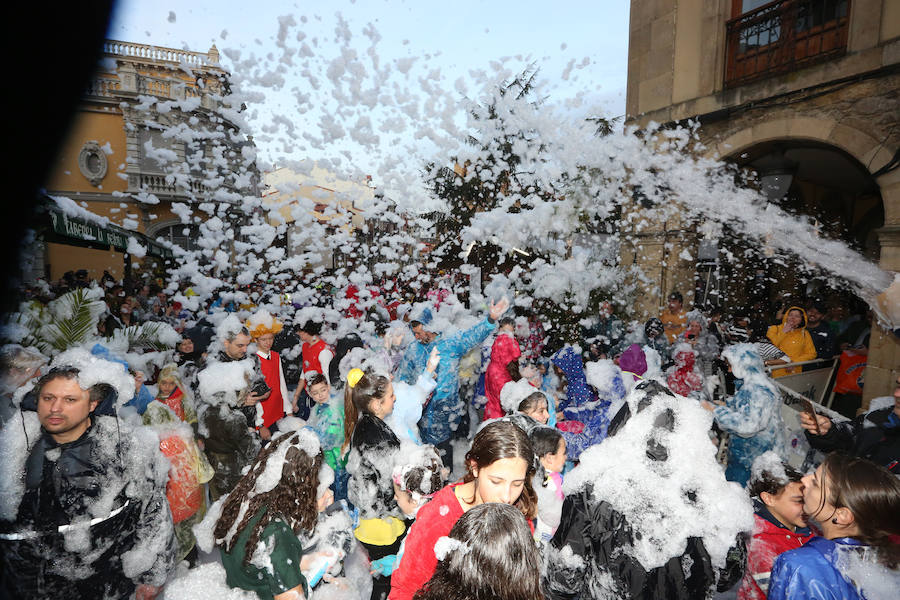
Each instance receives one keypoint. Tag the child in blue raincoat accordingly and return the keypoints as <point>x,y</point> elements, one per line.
<point>752,415</point>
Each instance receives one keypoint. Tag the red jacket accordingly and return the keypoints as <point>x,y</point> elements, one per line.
<point>504,350</point>
<point>770,539</point>
<point>434,521</point>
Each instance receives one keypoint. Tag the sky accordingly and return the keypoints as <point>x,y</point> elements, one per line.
<point>579,47</point>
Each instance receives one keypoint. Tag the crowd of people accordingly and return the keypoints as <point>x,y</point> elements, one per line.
<point>447,452</point>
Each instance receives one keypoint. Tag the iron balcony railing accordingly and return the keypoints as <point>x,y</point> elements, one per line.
<point>783,36</point>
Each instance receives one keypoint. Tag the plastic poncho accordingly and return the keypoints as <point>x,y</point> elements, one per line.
<point>752,415</point>
<point>414,361</point>
<point>587,416</point>
<point>327,420</point>
<point>806,573</point>
<point>684,378</point>
<point>633,361</point>
<point>504,350</point>
<point>797,343</point>
<point>408,404</point>
<point>444,410</point>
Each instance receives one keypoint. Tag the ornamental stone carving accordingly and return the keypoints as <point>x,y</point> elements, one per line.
<point>92,162</point>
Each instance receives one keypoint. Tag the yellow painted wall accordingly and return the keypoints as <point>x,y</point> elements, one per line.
<point>101,127</point>
<point>62,258</point>
<point>890,20</point>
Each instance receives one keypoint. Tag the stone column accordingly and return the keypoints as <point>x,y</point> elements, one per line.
<point>657,251</point>
<point>883,365</point>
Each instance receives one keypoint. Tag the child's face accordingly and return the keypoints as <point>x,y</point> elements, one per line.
<point>166,387</point>
<point>554,462</point>
<point>787,506</point>
<point>319,392</point>
<point>539,413</point>
<point>382,407</point>
<point>405,501</point>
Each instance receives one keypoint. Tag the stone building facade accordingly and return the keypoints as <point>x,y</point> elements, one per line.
<point>810,85</point>
<point>141,143</point>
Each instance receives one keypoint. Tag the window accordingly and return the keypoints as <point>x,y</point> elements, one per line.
<point>160,151</point>
<point>181,235</point>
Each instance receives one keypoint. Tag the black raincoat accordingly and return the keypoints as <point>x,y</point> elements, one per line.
<point>587,557</point>
<point>63,483</point>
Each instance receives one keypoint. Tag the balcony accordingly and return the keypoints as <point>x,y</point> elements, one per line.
<point>783,36</point>
<point>158,54</point>
<point>165,185</point>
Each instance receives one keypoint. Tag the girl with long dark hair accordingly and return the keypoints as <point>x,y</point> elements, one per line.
<point>856,504</point>
<point>368,400</point>
<point>275,502</point>
<point>488,554</point>
<point>500,467</point>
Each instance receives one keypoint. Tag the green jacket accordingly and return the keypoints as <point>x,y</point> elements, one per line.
<point>283,554</point>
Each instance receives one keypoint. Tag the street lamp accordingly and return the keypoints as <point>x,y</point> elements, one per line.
<point>776,171</point>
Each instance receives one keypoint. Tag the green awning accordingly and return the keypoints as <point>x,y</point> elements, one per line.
<point>108,235</point>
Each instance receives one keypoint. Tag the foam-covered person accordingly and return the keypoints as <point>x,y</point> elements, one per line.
<point>373,448</point>
<point>499,468</point>
<point>502,368</point>
<point>263,328</point>
<point>228,391</point>
<point>550,451</point>
<point>648,513</point>
<point>874,435</point>
<point>684,378</point>
<point>752,415</point>
<point>91,497</point>
<point>18,365</point>
<point>417,476</point>
<point>475,558</point>
<point>174,419</point>
<point>443,413</point>
<point>316,355</point>
<point>261,525</point>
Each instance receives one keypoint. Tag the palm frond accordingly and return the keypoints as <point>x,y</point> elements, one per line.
<point>153,336</point>
<point>73,318</point>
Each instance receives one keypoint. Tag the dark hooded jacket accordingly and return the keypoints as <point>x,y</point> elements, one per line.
<point>63,483</point>
<point>596,534</point>
<point>228,437</point>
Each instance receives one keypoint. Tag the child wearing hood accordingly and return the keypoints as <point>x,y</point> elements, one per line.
<point>684,377</point>
<point>752,415</point>
<point>792,338</point>
<point>503,368</point>
<point>327,420</point>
